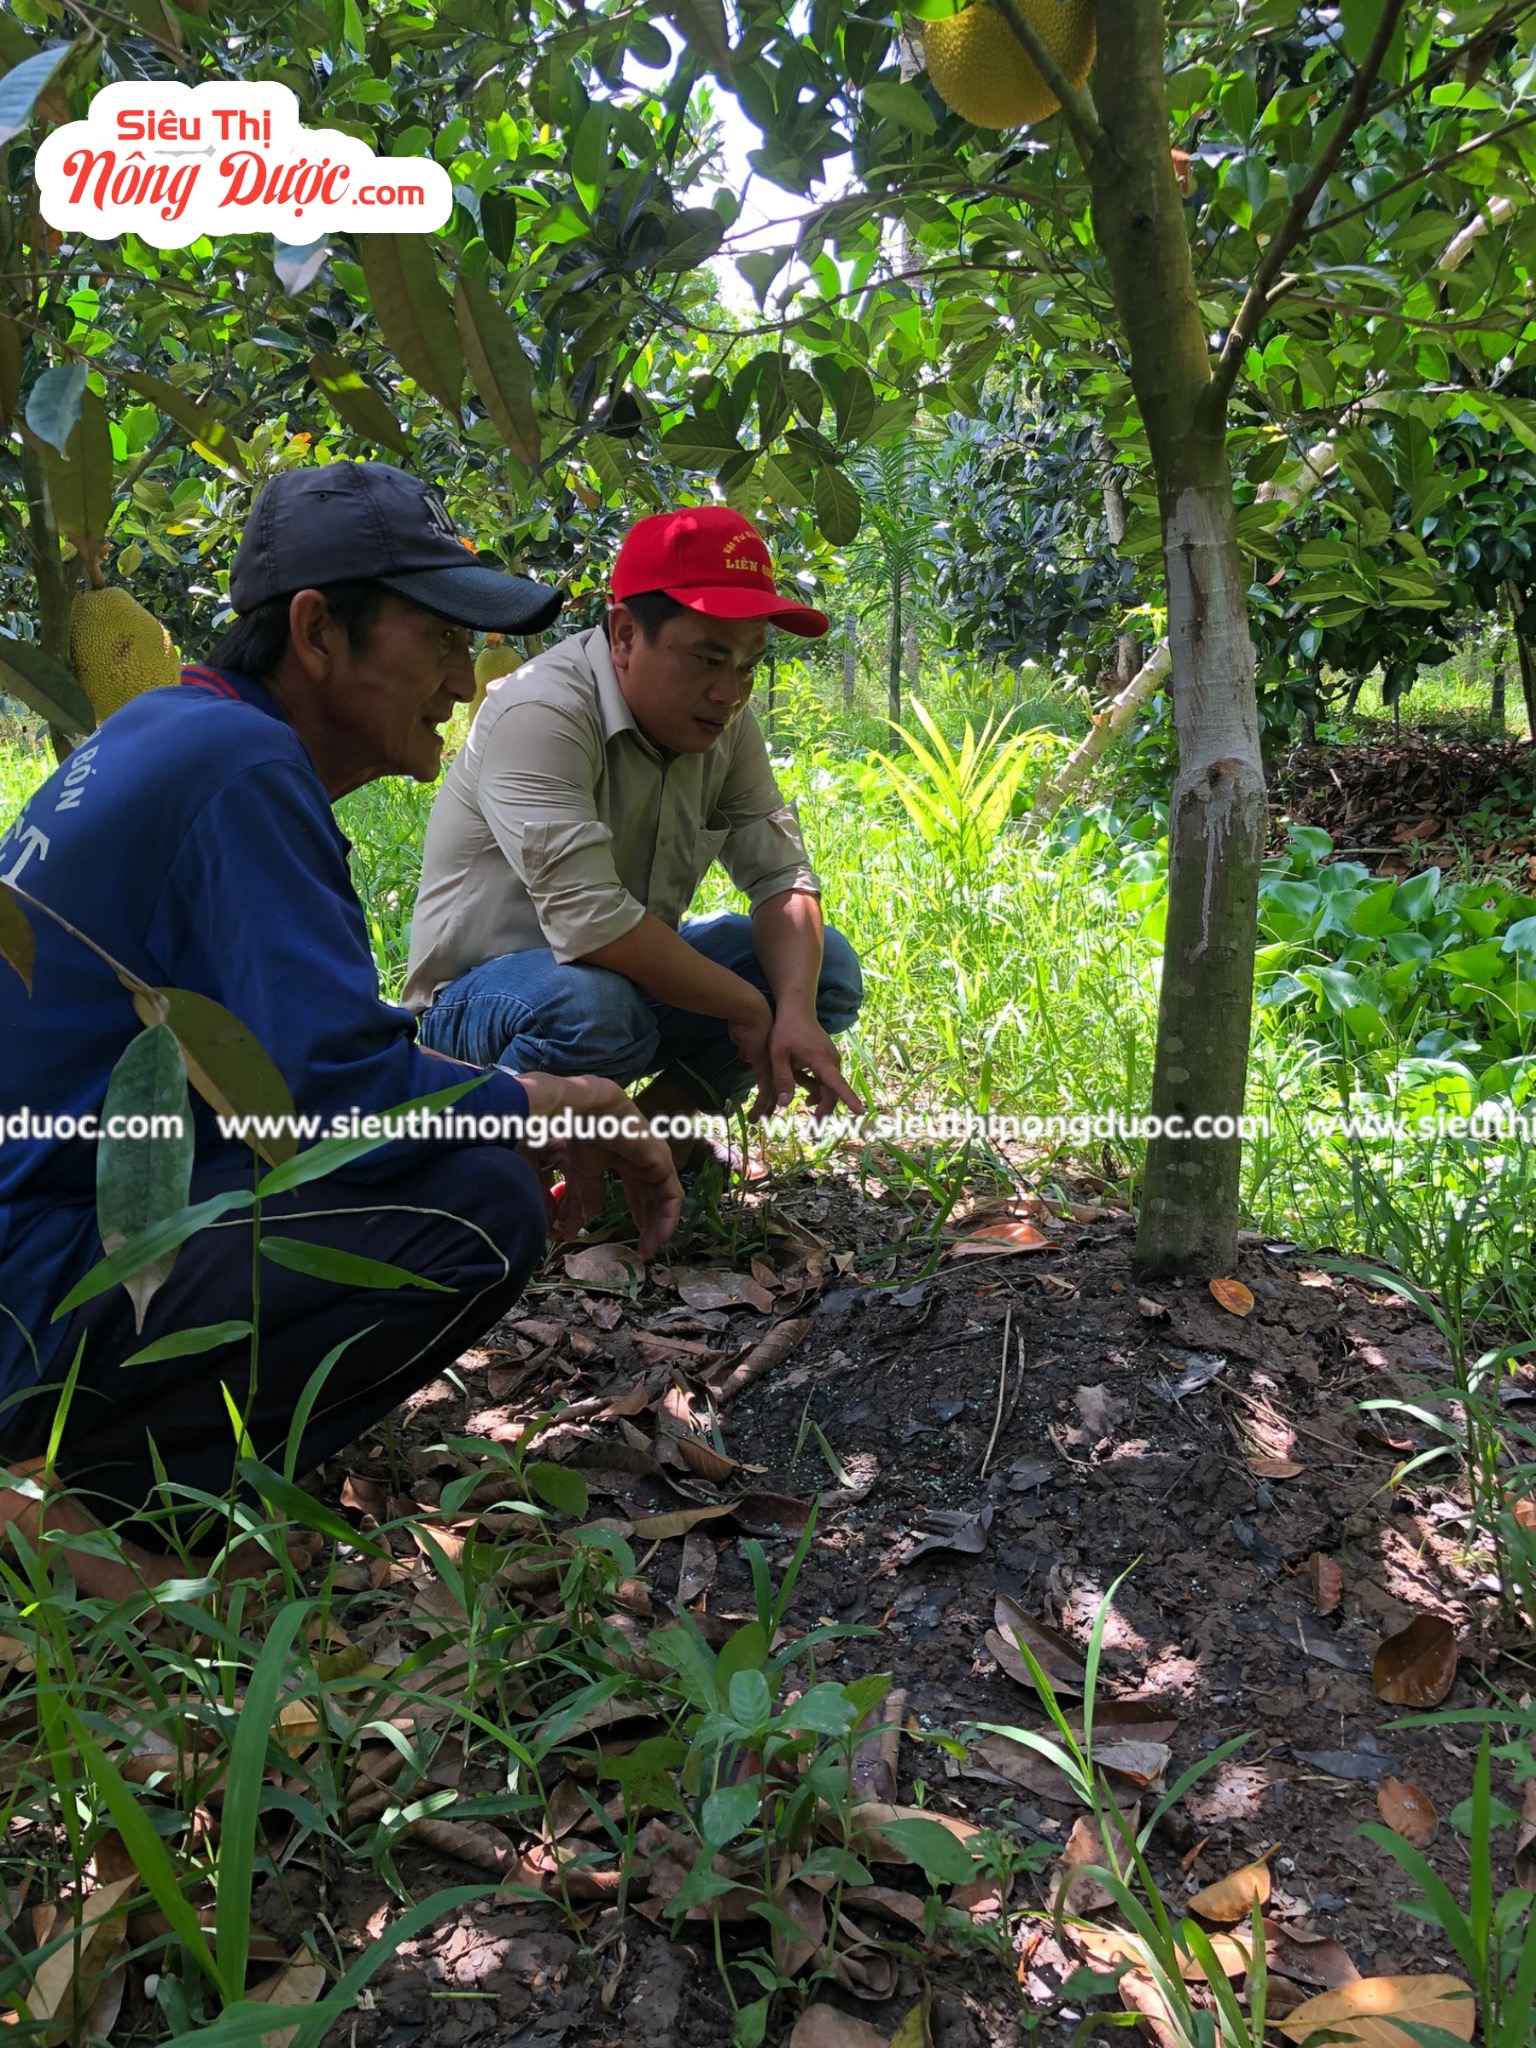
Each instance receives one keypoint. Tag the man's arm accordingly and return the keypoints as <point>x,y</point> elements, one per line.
<point>666,968</point>
<point>786,931</point>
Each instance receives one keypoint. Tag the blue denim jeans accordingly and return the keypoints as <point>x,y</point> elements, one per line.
<point>527,1012</point>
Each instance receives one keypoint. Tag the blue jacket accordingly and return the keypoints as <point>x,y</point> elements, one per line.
<point>192,839</point>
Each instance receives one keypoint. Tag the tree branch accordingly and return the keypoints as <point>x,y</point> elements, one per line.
<point>1251,312</point>
<point>1076,101</point>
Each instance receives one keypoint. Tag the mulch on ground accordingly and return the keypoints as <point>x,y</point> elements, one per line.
<point>1424,798</point>
<point>1021,1425</point>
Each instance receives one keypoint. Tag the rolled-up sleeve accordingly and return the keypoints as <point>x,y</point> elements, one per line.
<point>537,794</point>
<point>763,851</point>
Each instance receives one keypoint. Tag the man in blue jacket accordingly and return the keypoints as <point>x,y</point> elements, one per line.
<point>192,840</point>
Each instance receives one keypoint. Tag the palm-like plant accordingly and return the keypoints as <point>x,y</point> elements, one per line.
<point>890,553</point>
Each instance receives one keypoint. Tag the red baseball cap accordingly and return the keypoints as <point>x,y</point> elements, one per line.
<point>713,561</point>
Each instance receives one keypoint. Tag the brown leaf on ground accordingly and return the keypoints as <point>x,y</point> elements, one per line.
<point>1154,1311</point>
<point>1100,1410</point>
<point>769,1514</point>
<point>365,1497</point>
<point>696,1574</point>
<point>1139,1994</point>
<point>916,2030</point>
<point>1019,1764</point>
<point>717,1287</point>
<point>1233,1296</point>
<point>999,1240</point>
<point>824,2026</point>
<point>1072,1890</point>
<point>873,1773</point>
<point>771,1351</point>
<point>1233,1956</point>
<point>1327,1577</point>
<point>1057,1657</point>
<point>604,1265</point>
<point>953,1529</point>
<point>1417,1666</point>
<point>886,1903</point>
<point>1407,1811</point>
<point>473,1842</point>
<point>1275,1468</point>
<point>869,1816</point>
<point>60,1992</point>
<point>659,1528</point>
<point>1524,1512</point>
<point>1138,1763</point>
<point>1525,1840</point>
<point>299,1982</point>
<point>1365,2011</point>
<point>631,1402</point>
<point>1233,1897</point>
<point>1311,1959</point>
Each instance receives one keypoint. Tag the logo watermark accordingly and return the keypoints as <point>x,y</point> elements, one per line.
<point>170,163</point>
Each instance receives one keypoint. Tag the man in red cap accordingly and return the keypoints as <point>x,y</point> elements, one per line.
<point>598,784</point>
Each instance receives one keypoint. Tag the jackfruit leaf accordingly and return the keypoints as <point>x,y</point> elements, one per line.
<point>854,404</point>
<point>10,368</point>
<point>225,1063</point>
<point>1367,2010</point>
<point>45,684</point>
<point>80,480</point>
<point>17,944</point>
<point>325,1262</point>
<point>498,366</point>
<point>702,26</point>
<point>662,1528</point>
<point>211,437</point>
<point>839,514</point>
<point>53,403</point>
<point>142,1181</point>
<point>700,442</point>
<point>414,314</point>
<point>357,404</point>
<point>903,104</point>
<point>298,265</point>
<point>24,84</point>
<point>558,1487</point>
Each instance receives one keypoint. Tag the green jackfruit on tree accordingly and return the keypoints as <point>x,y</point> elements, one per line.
<point>979,69</point>
<point>118,650</point>
<point>495,659</point>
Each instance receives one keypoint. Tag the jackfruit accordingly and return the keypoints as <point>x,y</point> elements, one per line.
<point>118,650</point>
<point>490,663</point>
<point>979,69</point>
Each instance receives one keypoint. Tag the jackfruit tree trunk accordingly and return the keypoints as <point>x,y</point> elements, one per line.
<point>1217,816</point>
<point>893,651</point>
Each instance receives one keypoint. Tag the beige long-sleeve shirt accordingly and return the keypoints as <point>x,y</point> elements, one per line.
<point>559,824</point>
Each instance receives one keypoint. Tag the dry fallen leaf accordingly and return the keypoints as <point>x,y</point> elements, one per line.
<point>714,1287</point>
<point>61,1993</point>
<point>996,1240</point>
<point>823,2026</point>
<point>1525,1840</point>
<point>299,1982</point>
<point>604,1265</point>
<point>696,1573</point>
<point>1057,1657</point>
<point>1365,2011</point>
<point>659,1528</point>
<point>1275,1468</point>
<point>1407,1811</point>
<point>1233,1897</point>
<point>1072,1890</point>
<point>1154,1311</point>
<point>1327,1582</point>
<point>1233,1296</point>
<point>1312,1959</point>
<point>1417,1666</point>
<point>1100,1410</point>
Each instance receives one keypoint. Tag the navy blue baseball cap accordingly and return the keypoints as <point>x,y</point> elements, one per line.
<point>354,520</point>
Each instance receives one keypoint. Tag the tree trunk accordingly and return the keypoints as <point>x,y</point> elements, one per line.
<point>1496,700</point>
<point>1525,657</point>
<point>850,658</point>
<point>893,654</point>
<point>1217,815</point>
<point>55,584</point>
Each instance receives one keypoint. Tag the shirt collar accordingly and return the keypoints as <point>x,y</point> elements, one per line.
<point>228,682</point>
<point>612,709</point>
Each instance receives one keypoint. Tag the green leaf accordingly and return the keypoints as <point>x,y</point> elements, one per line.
<point>17,944</point>
<point>80,481</point>
<point>702,26</point>
<point>53,403</point>
<point>292,1503</point>
<point>141,1181</point>
<point>499,367</point>
<point>761,267</point>
<point>331,1154</point>
<point>245,1783</point>
<point>414,314</point>
<point>187,1343</point>
<point>700,442</point>
<point>347,1269</point>
<point>22,86</point>
<point>357,404</point>
<point>788,478</point>
<point>51,689</point>
<point>150,1245</point>
<point>729,1813</point>
<point>839,511</point>
<point>855,404</point>
<point>940,1857</point>
<point>589,146</point>
<point>498,219</point>
<point>210,436</point>
<point>903,104</point>
<point>558,1487</point>
<point>226,1064</point>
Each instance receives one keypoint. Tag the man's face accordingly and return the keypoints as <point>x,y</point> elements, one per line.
<point>685,686</point>
<point>384,702</point>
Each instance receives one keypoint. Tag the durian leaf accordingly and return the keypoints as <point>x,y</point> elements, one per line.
<point>839,513</point>
<point>414,313</point>
<point>45,684</point>
<point>357,403</point>
<point>226,1063</point>
<point>80,481</point>
<point>23,86</point>
<point>702,26</point>
<point>210,436</point>
<point>17,943</point>
<point>498,367</point>
<point>142,1181</point>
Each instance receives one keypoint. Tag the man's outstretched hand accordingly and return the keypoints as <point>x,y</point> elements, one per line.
<point>643,1163</point>
<point>800,1054</point>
